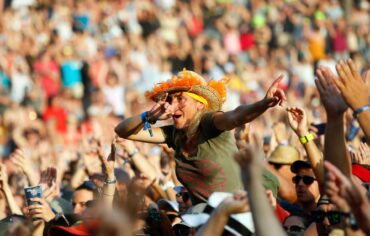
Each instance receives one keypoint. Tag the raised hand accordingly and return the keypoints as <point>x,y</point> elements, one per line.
<point>250,162</point>
<point>23,163</point>
<point>18,159</point>
<point>48,183</point>
<point>274,95</point>
<point>238,203</point>
<point>298,120</point>
<point>48,176</point>
<point>362,155</point>
<point>162,110</point>
<point>108,163</point>
<point>4,187</point>
<point>128,147</point>
<point>330,97</point>
<point>352,87</point>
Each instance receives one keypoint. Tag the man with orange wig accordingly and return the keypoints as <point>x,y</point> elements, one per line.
<point>200,134</point>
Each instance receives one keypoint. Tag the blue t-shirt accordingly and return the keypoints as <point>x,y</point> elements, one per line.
<point>71,73</point>
<point>81,22</point>
<point>4,81</point>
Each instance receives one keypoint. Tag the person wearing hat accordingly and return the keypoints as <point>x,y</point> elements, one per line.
<point>280,161</point>
<point>200,134</point>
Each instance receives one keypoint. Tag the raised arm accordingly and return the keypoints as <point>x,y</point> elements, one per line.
<point>18,158</point>
<point>110,179</point>
<point>298,122</point>
<point>132,128</point>
<point>14,208</point>
<point>262,211</point>
<point>335,149</point>
<point>355,92</point>
<point>140,162</point>
<point>246,113</point>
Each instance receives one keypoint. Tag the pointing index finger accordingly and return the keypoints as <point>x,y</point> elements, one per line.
<point>277,80</point>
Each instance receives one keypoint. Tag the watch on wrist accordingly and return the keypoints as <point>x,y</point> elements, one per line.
<point>307,138</point>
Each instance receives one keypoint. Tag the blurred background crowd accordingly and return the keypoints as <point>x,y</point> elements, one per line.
<point>70,70</point>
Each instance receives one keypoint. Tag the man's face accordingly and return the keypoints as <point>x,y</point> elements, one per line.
<point>79,200</point>
<point>324,224</point>
<point>307,190</point>
<point>184,109</point>
<point>183,198</point>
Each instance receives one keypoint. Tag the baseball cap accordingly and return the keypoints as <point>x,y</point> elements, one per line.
<point>297,165</point>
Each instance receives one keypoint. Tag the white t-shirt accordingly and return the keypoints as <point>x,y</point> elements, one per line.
<point>16,4</point>
<point>305,73</point>
<point>20,84</point>
<point>115,97</point>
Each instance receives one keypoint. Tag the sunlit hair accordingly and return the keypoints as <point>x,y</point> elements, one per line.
<point>194,123</point>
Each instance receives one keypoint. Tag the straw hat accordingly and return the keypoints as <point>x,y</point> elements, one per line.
<point>189,81</point>
<point>284,155</point>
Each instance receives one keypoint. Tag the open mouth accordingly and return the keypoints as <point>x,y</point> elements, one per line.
<point>176,116</point>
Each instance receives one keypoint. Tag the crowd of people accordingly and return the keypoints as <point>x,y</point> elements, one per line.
<point>178,117</point>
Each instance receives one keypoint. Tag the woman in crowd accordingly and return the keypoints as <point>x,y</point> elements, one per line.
<point>200,134</point>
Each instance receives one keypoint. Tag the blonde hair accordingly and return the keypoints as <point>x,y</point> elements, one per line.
<point>193,128</point>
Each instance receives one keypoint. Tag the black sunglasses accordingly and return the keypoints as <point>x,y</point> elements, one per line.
<point>307,180</point>
<point>334,217</point>
<point>294,228</point>
<point>277,166</point>
<point>185,196</point>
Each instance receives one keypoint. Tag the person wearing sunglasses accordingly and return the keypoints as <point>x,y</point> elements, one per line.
<point>306,186</point>
<point>327,218</point>
<point>280,161</point>
<point>183,199</point>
